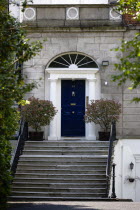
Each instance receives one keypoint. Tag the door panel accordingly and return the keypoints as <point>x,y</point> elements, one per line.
<point>72,108</point>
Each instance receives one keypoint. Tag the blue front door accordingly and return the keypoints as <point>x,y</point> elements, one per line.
<point>72,108</point>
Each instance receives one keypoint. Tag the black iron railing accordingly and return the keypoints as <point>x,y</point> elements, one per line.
<point>113,194</point>
<point>109,161</point>
<point>22,137</point>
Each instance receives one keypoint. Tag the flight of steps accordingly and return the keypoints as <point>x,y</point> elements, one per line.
<point>61,170</point>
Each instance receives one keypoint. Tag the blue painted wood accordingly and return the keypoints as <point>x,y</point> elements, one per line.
<point>72,108</point>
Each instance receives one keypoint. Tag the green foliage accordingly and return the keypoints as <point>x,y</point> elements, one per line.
<point>129,66</point>
<point>130,7</point>
<point>103,112</point>
<point>130,63</point>
<point>5,176</point>
<point>10,123</point>
<point>38,113</point>
<point>14,50</point>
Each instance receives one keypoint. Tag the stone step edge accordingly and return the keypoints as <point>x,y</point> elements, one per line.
<point>59,174</point>
<point>67,146</point>
<point>89,170</point>
<point>50,188</point>
<point>65,151</point>
<point>75,193</point>
<point>58,198</point>
<point>58,183</point>
<point>66,179</point>
<point>67,198</point>
<point>57,156</point>
<point>104,160</point>
<point>69,141</point>
<point>21,165</point>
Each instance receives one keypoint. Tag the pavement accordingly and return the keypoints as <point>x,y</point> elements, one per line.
<point>64,205</point>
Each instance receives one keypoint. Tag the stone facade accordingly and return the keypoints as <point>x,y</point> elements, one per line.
<point>94,32</point>
<point>91,28</point>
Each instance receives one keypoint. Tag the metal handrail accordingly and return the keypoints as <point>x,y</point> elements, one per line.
<point>22,137</point>
<point>110,151</point>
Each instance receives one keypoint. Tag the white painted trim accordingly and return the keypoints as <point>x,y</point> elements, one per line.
<point>71,71</point>
<point>118,17</point>
<point>137,158</point>
<point>89,75</point>
<point>78,53</point>
<point>33,15</point>
<point>68,2</point>
<point>68,17</point>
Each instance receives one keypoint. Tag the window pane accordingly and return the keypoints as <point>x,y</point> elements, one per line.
<point>65,61</point>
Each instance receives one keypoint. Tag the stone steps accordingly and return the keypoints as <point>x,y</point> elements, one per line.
<point>72,176</point>
<point>61,198</point>
<point>62,162</point>
<point>59,152</point>
<point>58,190</point>
<point>61,170</point>
<point>64,158</point>
<point>60,180</point>
<point>59,185</point>
<point>65,148</point>
<point>66,143</point>
<point>58,194</point>
<point>61,167</point>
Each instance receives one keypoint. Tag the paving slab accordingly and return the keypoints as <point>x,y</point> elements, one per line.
<point>67,205</point>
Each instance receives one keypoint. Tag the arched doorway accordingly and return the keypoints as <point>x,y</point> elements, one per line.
<point>72,86</point>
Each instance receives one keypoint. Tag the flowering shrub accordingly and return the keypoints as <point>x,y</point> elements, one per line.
<point>38,113</point>
<point>103,112</point>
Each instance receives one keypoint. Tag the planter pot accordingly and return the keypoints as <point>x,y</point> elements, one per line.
<point>36,136</point>
<point>104,136</point>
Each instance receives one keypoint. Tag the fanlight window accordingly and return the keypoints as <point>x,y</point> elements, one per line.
<point>73,60</point>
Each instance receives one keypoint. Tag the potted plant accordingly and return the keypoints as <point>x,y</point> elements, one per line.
<point>103,112</point>
<point>38,113</point>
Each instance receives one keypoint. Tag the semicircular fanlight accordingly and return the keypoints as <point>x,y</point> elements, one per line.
<point>73,61</point>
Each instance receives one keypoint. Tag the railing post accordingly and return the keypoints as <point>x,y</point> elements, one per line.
<point>109,159</point>
<point>26,131</point>
<point>114,130</point>
<point>107,186</point>
<point>23,135</point>
<point>113,195</point>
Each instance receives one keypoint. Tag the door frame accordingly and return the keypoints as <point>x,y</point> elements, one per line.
<point>54,76</point>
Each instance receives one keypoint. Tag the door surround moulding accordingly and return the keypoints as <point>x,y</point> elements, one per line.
<point>56,75</point>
